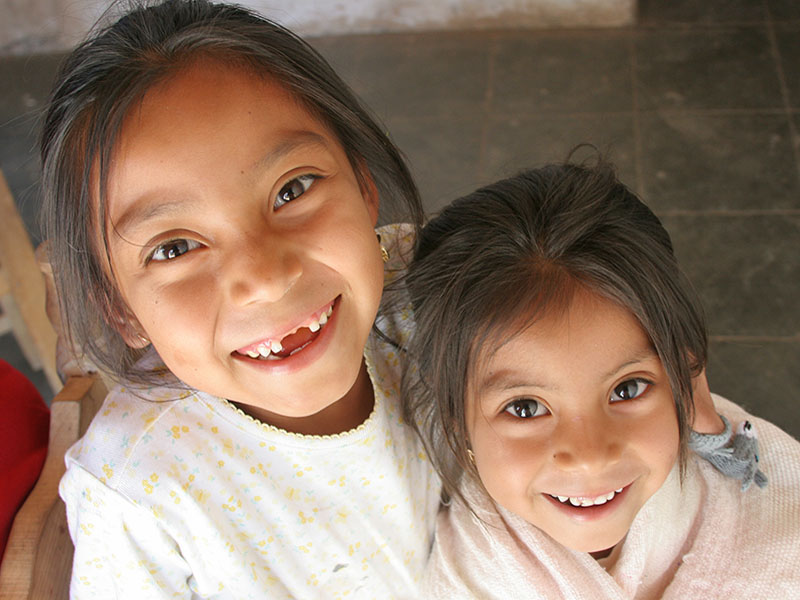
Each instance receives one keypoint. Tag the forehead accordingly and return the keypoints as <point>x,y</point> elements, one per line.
<point>208,91</point>
<point>589,331</point>
<point>207,117</point>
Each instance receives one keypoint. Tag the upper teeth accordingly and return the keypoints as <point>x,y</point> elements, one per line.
<point>267,347</point>
<point>584,501</point>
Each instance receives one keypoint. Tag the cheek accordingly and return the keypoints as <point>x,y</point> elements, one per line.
<point>365,271</point>
<point>507,466</point>
<point>659,439</point>
<point>174,312</point>
<point>346,242</point>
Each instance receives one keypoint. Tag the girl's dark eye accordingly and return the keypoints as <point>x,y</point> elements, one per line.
<point>173,249</point>
<point>526,409</point>
<point>294,189</point>
<point>630,389</point>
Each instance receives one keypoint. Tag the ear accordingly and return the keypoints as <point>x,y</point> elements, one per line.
<point>369,192</point>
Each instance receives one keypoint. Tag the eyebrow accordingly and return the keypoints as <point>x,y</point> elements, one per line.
<point>141,212</point>
<point>506,380</point>
<point>643,355</point>
<point>292,142</point>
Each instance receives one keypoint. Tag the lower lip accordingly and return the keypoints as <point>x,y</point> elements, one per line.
<point>301,358</point>
<point>589,513</point>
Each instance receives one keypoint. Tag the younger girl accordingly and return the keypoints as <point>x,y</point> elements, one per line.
<point>556,348</point>
<point>211,193</point>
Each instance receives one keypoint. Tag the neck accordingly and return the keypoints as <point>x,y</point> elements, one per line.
<point>608,558</point>
<point>345,414</point>
<point>601,553</point>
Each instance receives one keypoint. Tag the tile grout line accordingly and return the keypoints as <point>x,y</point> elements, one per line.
<point>784,339</point>
<point>687,26</point>
<point>711,112</point>
<point>751,212</point>
<point>487,108</point>
<point>635,121</point>
<point>787,106</point>
<point>720,112</point>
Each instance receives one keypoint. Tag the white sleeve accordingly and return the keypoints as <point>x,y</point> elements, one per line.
<point>121,549</point>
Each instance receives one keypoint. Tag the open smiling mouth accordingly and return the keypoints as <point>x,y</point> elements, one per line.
<point>292,342</point>
<point>588,507</point>
<point>587,501</point>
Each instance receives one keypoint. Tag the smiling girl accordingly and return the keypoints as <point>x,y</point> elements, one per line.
<point>211,192</point>
<point>557,348</point>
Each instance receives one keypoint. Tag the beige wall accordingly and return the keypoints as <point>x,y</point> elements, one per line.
<point>44,25</point>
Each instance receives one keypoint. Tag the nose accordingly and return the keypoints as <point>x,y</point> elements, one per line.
<point>263,269</point>
<point>587,443</point>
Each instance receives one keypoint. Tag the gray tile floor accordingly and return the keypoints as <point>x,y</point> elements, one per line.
<point>699,106</point>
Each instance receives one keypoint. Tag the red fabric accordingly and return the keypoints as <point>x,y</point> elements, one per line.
<point>24,430</point>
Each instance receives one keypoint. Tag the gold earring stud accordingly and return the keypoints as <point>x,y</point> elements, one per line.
<point>471,456</point>
<point>384,251</point>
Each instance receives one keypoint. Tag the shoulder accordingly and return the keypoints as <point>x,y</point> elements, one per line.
<point>745,540</point>
<point>776,446</point>
<point>125,422</point>
<point>470,528</point>
<point>777,505</point>
<point>457,561</point>
<point>467,533</point>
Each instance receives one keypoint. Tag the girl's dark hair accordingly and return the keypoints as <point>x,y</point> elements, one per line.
<point>496,260</point>
<point>106,76</point>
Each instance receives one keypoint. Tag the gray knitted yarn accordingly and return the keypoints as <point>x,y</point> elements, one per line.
<point>735,457</point>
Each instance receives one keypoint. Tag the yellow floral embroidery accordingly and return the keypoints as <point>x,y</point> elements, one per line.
<point>227,446</point>
<point>234,504</point>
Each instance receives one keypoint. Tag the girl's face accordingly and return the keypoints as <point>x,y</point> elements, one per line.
<point>243,245</point>
<point>573,424</point>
